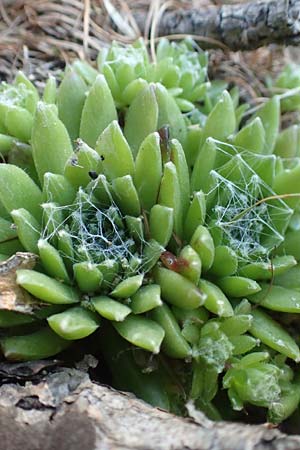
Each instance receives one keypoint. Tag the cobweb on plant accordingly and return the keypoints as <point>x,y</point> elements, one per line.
<point>97,233</point>
<point>249,225</point>
<point>241,210</point>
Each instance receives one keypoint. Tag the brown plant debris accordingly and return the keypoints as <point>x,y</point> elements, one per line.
<point>40,36</point>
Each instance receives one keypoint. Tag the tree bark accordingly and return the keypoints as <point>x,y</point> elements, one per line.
<point>244,26</point>
<point>65,410</point>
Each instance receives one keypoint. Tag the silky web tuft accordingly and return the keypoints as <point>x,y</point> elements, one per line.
<point>97,233</point>
<point>251,224</point>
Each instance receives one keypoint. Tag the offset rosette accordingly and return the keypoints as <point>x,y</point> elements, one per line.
<point>99,227</point>
<point>180,67</point>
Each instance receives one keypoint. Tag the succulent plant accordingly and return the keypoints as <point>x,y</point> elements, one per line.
<point>288,82</point>
<point>179,242</point>
<point>180,69</point>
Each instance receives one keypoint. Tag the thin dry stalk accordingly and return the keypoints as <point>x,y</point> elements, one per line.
<point>41,35</point>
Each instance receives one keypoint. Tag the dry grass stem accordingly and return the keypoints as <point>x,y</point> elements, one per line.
<point>41,36</point>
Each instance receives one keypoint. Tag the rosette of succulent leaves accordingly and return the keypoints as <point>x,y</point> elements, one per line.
<point>164,216</point>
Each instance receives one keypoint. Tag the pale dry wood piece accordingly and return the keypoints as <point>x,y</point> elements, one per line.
<point>243,26</point>
<point>66,411</point>
<point>12,296</point>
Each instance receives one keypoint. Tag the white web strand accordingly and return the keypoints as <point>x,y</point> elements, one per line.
<point>97,234</point>
<point>249,228</point>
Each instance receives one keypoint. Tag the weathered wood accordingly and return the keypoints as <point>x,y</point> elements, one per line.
<point>66,411</point>
<point>244,26</point>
